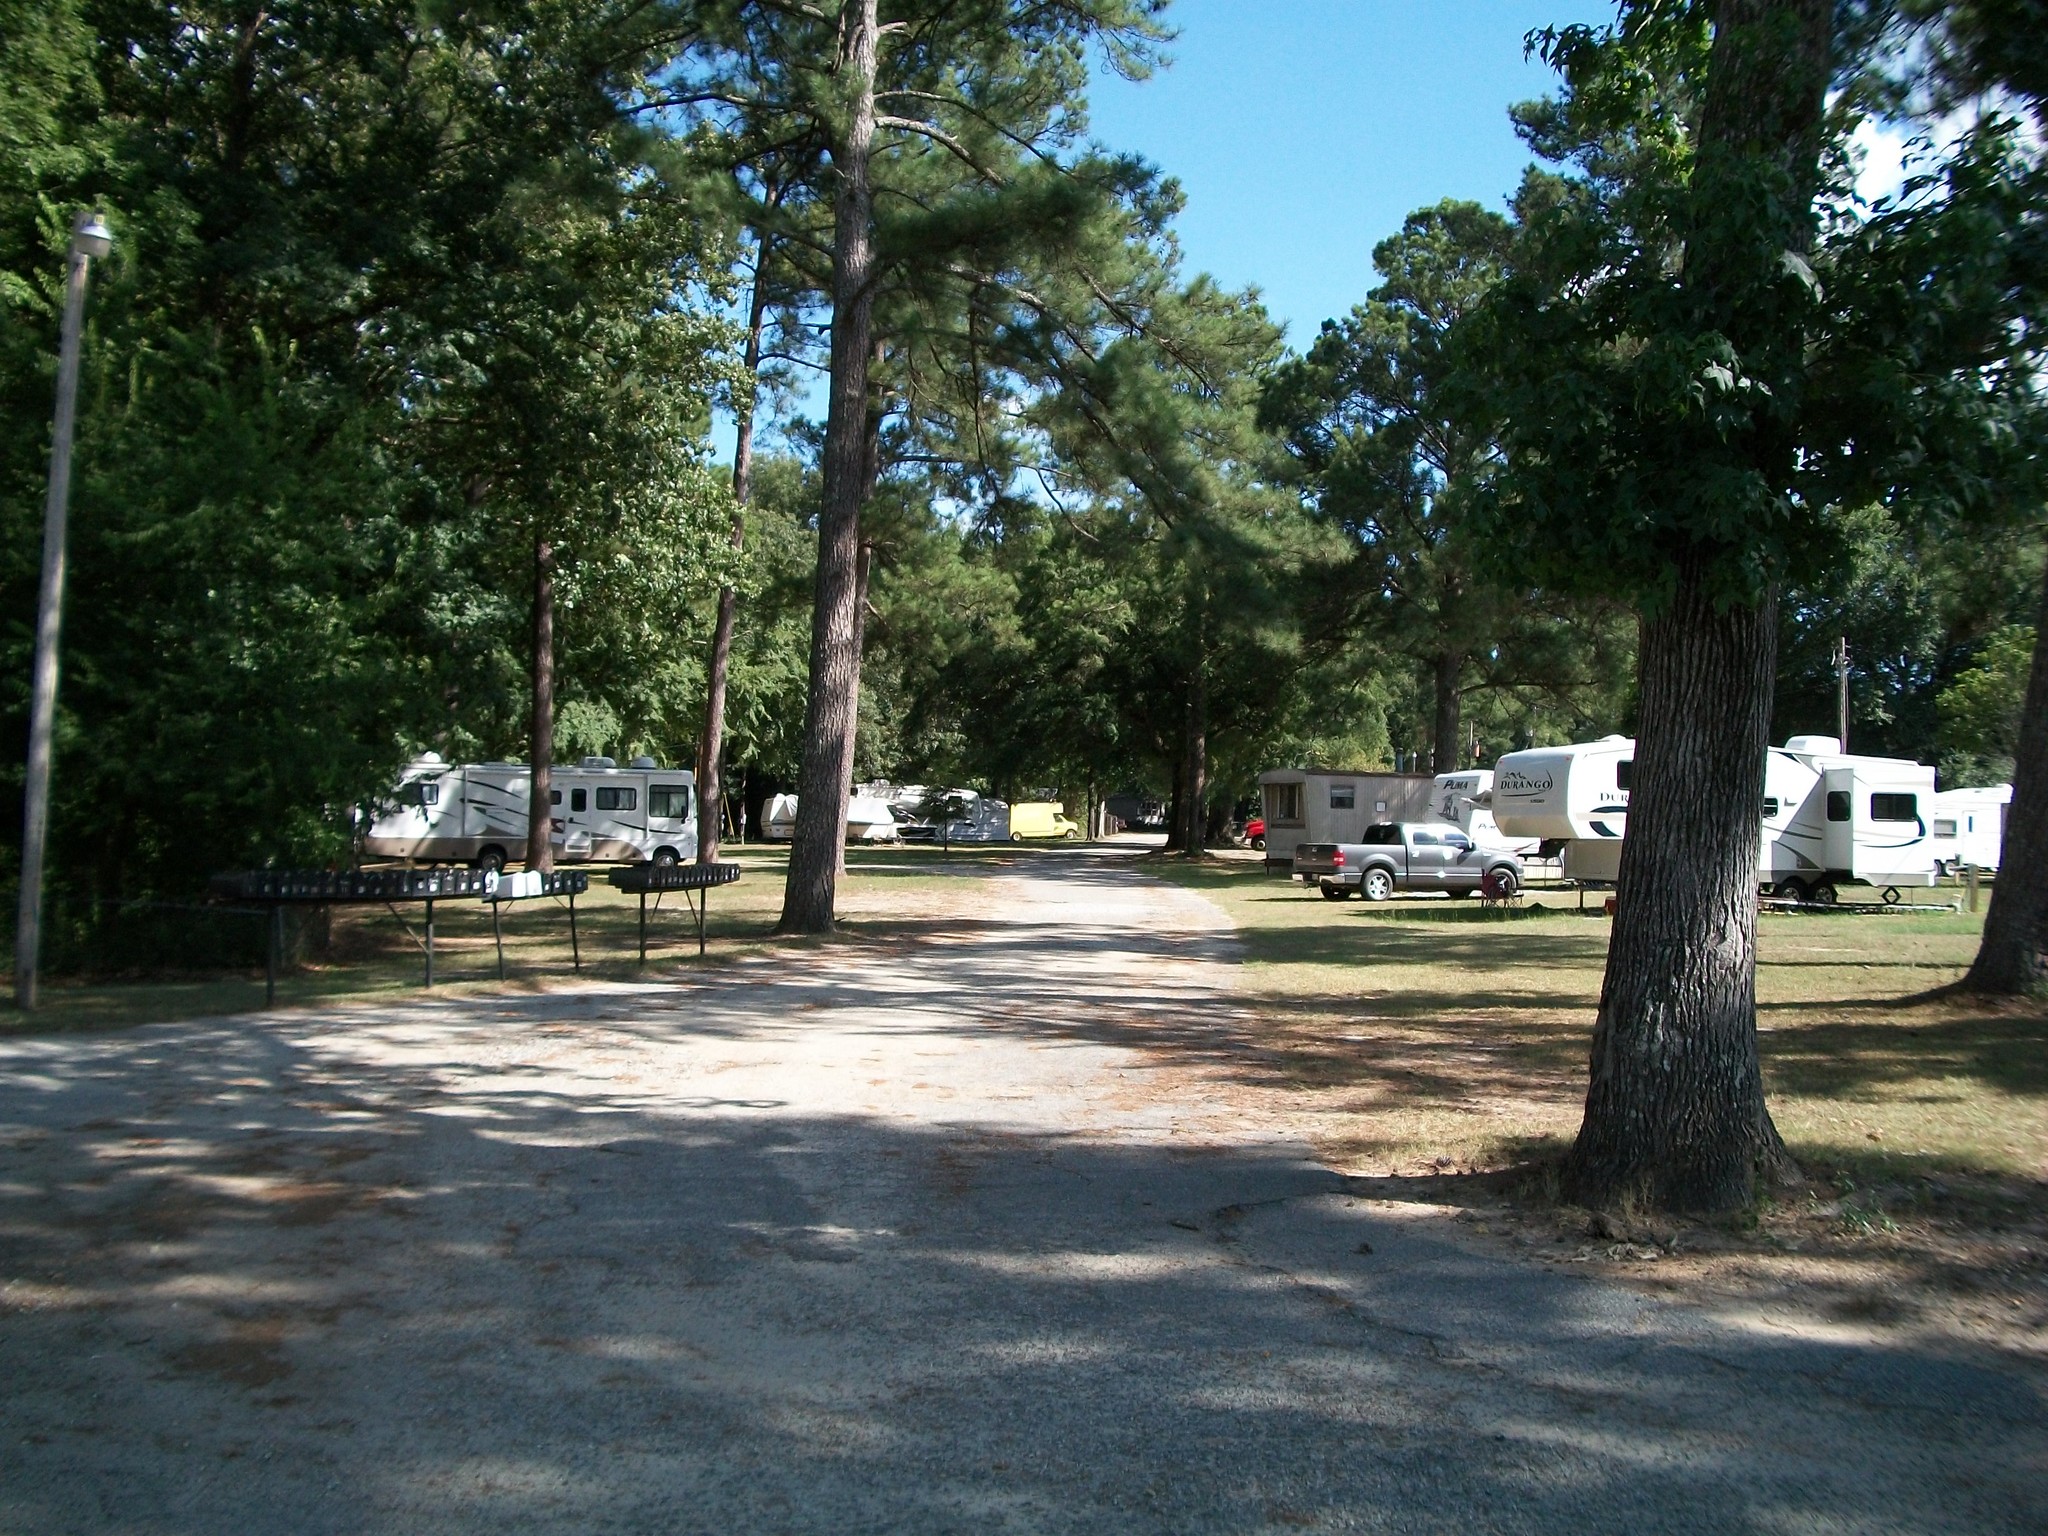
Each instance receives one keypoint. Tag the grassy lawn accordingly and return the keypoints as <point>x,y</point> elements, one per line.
<point>1460,1033</point>
<point>369,955</point>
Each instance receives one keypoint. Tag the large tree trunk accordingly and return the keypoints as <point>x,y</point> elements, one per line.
<point>711,749</point>
<point>1194,818</point>
<point>2013,957</point>
<point>1675,1114</point>
<point>814,853</point>
<point>1446,670</point>
<point>540,848</point>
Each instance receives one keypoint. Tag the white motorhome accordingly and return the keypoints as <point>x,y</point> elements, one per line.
<point>1317,805</point>
<point>868,819</point>
<point>1828,817</point>
<point>1969,827</point>
<point>1465,800</point>
<point>476,813</point>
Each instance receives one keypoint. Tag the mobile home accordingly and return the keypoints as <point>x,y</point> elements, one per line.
<point>1316,805</point>
<point>1969,827</point>
<point>476,813</point>
<point>1828,817</point>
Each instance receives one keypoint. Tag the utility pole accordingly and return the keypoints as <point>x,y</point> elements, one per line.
<point>90,237</point>
<point>1841,660</point>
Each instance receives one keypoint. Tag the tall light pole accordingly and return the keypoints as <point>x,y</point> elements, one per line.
<point>1841,661</point>
<point>90,237</point>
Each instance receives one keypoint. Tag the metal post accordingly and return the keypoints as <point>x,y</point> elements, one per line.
<point>575,949</point>
<point>703,900</point>
<point>643,927</point>
<point>430,941</point>
<point>1841,660</point>
<point>89,238</point>
<point>498,934</point>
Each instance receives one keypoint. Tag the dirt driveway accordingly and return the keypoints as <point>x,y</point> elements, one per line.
<point>973,1229</point>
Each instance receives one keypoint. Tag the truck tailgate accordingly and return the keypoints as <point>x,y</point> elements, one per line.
<point>1314,860</point>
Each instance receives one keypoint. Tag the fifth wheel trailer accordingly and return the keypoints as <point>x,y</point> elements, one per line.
<point>476,813</point>
<point>1829,817</point>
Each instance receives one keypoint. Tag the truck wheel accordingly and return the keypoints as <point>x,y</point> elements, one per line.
<point>1501,883</point>
<point>1259,843</point>
<point>1377,885</point>
<point>491,861</point>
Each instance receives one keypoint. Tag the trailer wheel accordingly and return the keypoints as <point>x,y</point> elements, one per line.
<point>491,861</point>
<point>1377,885</point>
<point>1823,894</point>
<point>1791,890</point>
<point>666,858</point>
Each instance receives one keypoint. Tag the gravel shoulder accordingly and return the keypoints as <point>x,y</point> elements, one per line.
<point>974,1223</point>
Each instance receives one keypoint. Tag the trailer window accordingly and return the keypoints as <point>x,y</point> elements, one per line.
<point>1343,797</point>
<point>1770,806</point>
<point>1624,773</point>
<point>669,800</point>
<point>612,798</point>
<point>1838,805</point>
<point>1944,829</point>
<point>1283,804</point>
<point>579,800</point>
<point>1894,807</point>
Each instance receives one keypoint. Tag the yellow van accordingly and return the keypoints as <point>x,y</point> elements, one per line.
<point>1040,818</point>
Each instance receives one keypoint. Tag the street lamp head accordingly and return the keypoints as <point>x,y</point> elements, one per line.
<point>90,236</point>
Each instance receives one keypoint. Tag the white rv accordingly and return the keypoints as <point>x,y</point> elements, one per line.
<point>1318,805</point>
<point>476,813</point>
<point>1466,801</point>
<point>868,820</point>
<point>1828,817</point>
<point>1969,827</point>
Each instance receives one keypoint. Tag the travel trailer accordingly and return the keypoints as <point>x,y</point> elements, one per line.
<point>1829,818</point>
<point>1969,827</point>
<point>476,813</point>
<point>1465,800</point>
<point>868,820</point>
<point>1315,805</point>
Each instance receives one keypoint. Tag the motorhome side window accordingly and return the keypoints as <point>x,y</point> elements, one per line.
<point>554,797</point>
<point>1343,797</point>
<point>1624,772</point>
<point>1838,805</point>
<point>1283,803</point>
<point>669,800</point>
<point>1894,807</point>
<point>579,800</point>
<point>613,798</point>
<point>430,793</point>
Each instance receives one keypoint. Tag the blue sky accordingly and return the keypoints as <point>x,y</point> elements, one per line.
<point>1304,132</point>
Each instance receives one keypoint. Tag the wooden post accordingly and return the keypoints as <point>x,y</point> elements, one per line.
<point>498,936</point>
<point>273,943</point>
<point>430,941</point>
<point>575,949</point>
<point>643,927</point>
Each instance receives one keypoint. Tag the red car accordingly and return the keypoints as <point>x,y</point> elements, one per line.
<point>1255,832</point>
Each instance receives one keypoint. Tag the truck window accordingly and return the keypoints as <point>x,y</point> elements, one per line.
<point>671,801</point>
<point>1894,807</point>
<point>1343,797</point>
<point>1458,840</point>
<point>1383,834</point>
<point>1838,805</point>
<point>1423,839</point>
<point>613,798</point>
<point>579,800</point>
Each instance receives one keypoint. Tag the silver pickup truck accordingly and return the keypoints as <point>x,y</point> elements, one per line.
<point>1405,856</point>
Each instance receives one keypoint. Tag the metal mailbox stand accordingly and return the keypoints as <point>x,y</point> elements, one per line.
<point>640,879</point>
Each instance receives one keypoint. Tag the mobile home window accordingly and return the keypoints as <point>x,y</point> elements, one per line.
<point>669,800</point>
<point>1343,797</point>
<point>613,798</point>
<point>579,800</point>
<point>1283,803</point>
<point>1624,772</point>
<point>1838,805</point>
<point>1894,807</point>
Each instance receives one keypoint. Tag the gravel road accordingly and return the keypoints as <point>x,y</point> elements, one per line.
<point>963,1231</point>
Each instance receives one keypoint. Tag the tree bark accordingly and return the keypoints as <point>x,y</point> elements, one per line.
<point>1447,669</point>
<point>1194,820</point>
<point>540,848</point>
<point>711,749</point>
<point>1675,1115</point>
<point>811,886</point>
<point>860,635</point>
<point>2012,959</point>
